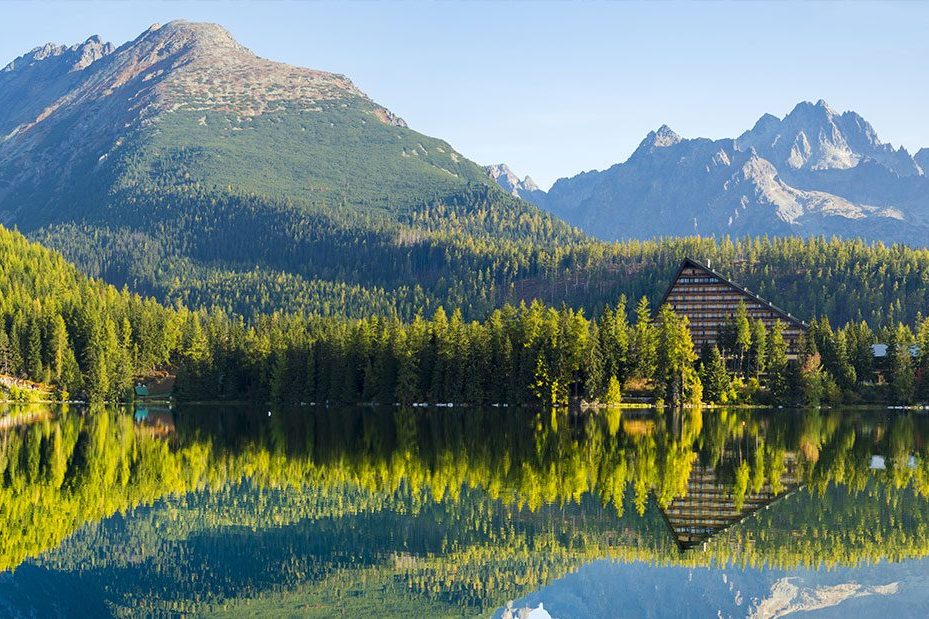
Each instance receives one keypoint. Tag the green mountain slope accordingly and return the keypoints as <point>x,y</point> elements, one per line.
<point>85,337</point>
<point>184,165</point>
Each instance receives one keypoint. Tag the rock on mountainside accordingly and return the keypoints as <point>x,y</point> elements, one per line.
<point>184,165</point>
<point>813,172</point>
<point>922,159</point>
<point>507,179</point>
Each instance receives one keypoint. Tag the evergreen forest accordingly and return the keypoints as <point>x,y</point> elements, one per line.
<point>87,339</point>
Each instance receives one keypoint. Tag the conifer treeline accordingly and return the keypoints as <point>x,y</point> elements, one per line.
<point>476,251</point>
<point>537,354</point>
<point>84,337</point>
<point>834,366</point>
<point>92,340</point>
<point>526,354</point>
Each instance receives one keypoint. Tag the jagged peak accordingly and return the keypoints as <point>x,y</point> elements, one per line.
<point>825,106</point>
<point>814,136</point>
<point>808,109</point>
<point>662,137</point>
<point>529,184</point>
<point>508,180</point>
<point>79,55</point>
<point>36,54</point>
<point>922,160</point>
<point>766,121</point>
<point>852,120</point>
<point>665,136</point>
<point>499,169</point>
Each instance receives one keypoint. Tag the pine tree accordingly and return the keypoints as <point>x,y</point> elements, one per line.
<point>809,375</point>
<point>58,347</point>
<point>613,395</point>
<point>922,360</point>
<point>743,333</point>
<point>195,345</point>
<point>902,376</point>
<point>758,350</point>
<point>644,342</point>
<point>593,365</point>
<point>5,356</point>
<point>615,340</point>
<point>33,356</point>
<point>123,367</point>
<point>677,381</point>
<point>777,365</point>
<point>717,385</point>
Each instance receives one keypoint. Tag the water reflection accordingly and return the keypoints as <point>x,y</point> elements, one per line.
<point>448,511</point>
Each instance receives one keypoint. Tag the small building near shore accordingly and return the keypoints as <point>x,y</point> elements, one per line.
<point>709,299</point>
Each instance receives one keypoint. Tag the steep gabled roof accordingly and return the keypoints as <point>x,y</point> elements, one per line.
<point>689,262</point>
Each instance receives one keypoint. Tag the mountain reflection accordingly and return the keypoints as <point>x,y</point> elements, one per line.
<point>441,510</point>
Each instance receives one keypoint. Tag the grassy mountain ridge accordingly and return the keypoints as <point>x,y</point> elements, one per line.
<point>203,162</point>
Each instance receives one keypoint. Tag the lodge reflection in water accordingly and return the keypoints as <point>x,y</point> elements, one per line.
<point>444,505</point>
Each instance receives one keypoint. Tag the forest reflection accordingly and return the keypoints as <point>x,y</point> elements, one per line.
<point>461,507</point>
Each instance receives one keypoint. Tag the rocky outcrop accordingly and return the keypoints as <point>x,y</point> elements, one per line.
<point>521,188</point>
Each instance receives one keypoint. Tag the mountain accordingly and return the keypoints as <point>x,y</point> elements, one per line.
<point>815,137</point>
<point>813,172</point>
<point>504,176</point>
<point>183,165</point>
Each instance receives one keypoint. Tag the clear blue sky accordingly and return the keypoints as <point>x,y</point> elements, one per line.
<point>556,88</point>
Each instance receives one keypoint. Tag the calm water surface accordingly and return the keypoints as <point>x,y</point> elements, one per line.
<point>232,511</point>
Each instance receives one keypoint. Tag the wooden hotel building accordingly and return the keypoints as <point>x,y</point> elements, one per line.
<point>708,299</point>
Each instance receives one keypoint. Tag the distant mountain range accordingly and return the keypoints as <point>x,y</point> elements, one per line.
<point>813,172</point>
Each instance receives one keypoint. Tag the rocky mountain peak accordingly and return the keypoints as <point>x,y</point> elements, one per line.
<point>78,105</point>
<point>813,136</point>
<point>814,171</point>
<point>72,58</point>
<point>181,35</point>
<point>92,50</point>
<point>177,65</point>
<point>663,137</point>
<point>509,181</point>
<point>766,123</point>
<point>204,67</point>
<point>808,108</point>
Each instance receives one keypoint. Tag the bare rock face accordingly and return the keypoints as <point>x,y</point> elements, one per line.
<point>815,171</point>
<point>815,137</point>
<point>179,64</point>
<point>662,138</point>
<point>79,57</point>
<point>512,184</point>
<point>922,158</point>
